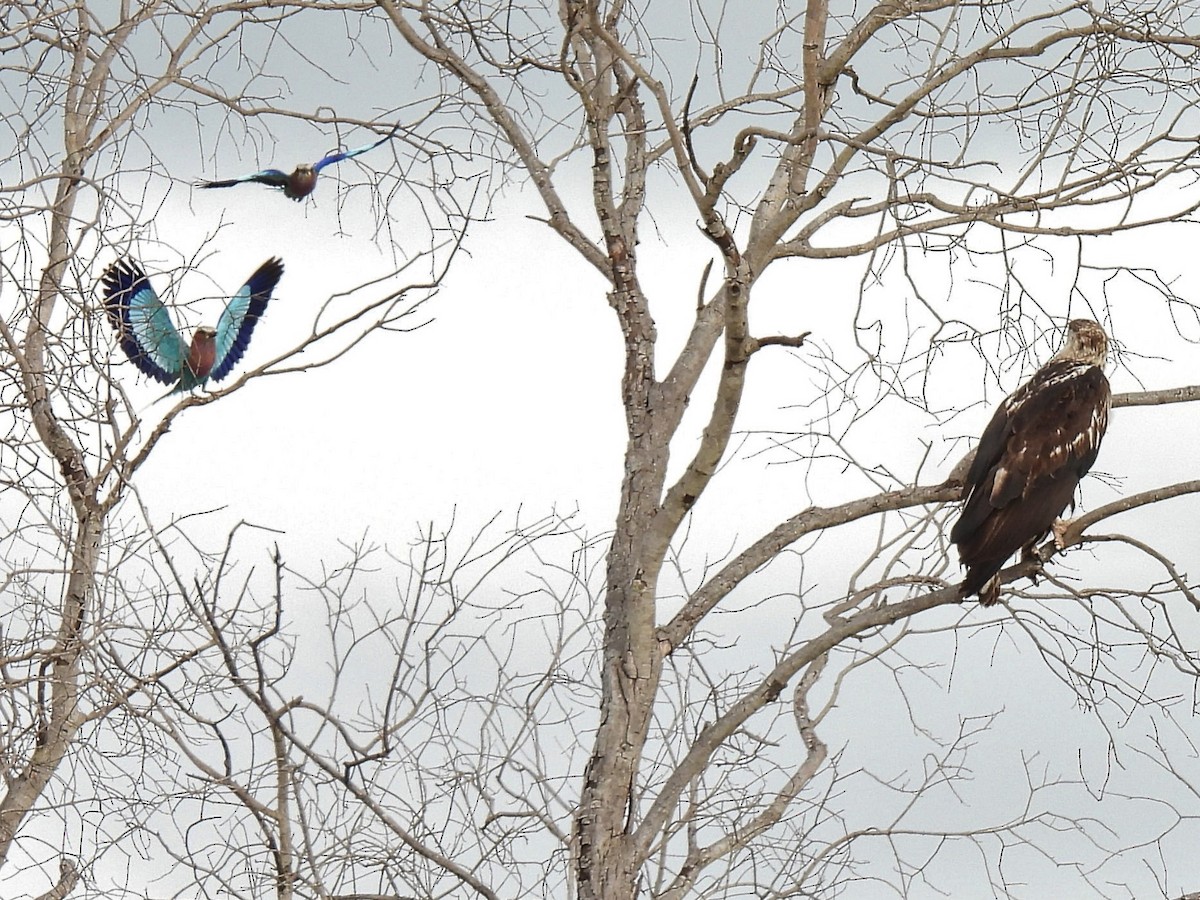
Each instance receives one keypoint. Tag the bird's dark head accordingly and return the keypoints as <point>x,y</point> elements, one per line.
<point>1086,343</point>
<point>204,333</point>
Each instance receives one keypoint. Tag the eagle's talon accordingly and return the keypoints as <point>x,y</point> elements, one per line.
<point>1060,529</point>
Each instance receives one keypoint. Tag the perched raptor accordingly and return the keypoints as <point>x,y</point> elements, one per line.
<point>1040,443</point>
<point>303,180</point>
<point>151,341</point>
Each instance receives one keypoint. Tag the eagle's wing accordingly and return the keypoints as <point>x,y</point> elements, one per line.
<point>987,457</point>
<point>143,325</point>
<point>241,315</point>
<point>1054,430</point>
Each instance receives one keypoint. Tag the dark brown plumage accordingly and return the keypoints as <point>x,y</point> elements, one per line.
<point>1041,441</point>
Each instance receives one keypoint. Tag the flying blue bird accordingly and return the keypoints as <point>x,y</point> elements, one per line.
<point>153,344</point>
<point>303,180</point>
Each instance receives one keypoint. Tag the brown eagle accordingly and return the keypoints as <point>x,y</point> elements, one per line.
<point>1040,443</point>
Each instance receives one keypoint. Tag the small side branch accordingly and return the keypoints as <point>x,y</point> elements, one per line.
<point>778,340</point>
<point>687,130</point>
<point>1073,533</point>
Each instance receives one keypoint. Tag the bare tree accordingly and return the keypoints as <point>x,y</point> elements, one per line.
<point>80,187</point>
<point>538,709</point>
<point>896,134</point>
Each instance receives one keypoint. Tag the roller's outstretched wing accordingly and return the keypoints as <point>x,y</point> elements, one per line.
<point>242,314</point>
<point>270,177</point>
<point>143,325</point>
<point>338,156</point>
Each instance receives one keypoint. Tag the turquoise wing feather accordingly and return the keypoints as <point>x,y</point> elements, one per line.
<point>269,177</point>
<point>241,315</point>
<point>339,155</point>
<point>143,325</point>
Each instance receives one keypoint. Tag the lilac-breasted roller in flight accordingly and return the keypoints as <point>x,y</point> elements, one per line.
<point>303,180</point>
<point>153,344</point>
